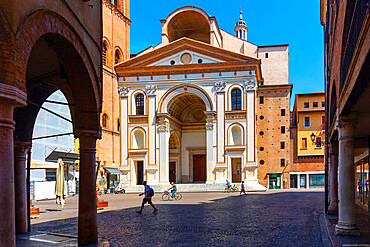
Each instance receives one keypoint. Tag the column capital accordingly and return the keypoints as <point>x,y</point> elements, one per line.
<point>151,90</point>
<point>220,86</point>
<point>346,126</point>
<point>82,133</point>
<point>210,115</point>
<point>21,148</point>
<point>123,91</point>
<point>163,127</point>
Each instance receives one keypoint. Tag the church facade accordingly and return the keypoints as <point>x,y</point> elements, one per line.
<point>188,105</point>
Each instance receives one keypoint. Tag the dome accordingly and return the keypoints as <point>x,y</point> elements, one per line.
<point>241,22</point>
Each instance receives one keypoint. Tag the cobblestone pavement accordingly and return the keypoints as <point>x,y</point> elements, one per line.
<point>277,218</point>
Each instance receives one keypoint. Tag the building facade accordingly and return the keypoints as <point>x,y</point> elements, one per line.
<point>308,137</point>
<point>116,48</point>
<point>188,105</point>
<point>347,62</point>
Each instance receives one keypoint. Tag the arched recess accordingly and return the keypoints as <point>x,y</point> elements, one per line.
<point>54,57</point>
<point>118,55</point>
<point>105,52</point>
<point>184,88</point>
<point>236,135</point>
<point>138,138</point>
<point>174,142</point>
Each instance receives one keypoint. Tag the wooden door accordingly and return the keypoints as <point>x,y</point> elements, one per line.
<point>140,172</point>
<point>199,168</point>
<point>173,172</point>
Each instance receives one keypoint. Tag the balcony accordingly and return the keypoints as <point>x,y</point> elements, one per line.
<point>358,18</point>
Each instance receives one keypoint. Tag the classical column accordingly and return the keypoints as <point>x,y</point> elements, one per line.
<point>87,214</point>
<point>307,181</point>
<point>333,178</point>
<point>10,97</point>
<point>164,138</point>
<point>151,92</point>
<point>123,93</point>
<point>298,181</point>
<point>20,181</point>
<point>209,144</point>
<point>220,101</point>
<point>346,179</point>
<point>250,126</point>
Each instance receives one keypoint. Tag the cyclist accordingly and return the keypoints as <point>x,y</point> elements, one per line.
<point>228,185</point>
<point>173,189</point>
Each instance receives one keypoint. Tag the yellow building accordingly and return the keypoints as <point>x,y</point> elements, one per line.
<point>308,137</point>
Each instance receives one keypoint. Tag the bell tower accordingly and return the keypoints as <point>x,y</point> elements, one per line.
<point>241,28</point>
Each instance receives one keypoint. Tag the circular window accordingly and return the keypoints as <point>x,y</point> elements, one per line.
<point>262,162</point>
<point>262,148</point>
<point>261,133</point>
<point>262,117</point>
<point>185,58</point>
<point>200,60</point>
<point>172,62</point>
<point>198,115</point>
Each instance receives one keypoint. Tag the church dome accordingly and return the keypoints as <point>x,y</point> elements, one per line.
<point>241,22</point>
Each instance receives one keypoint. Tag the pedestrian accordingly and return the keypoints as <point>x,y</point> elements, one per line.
<point>228,185</point>
<point>273,184</point>
<point>147,198</point>
<point>242,189</point>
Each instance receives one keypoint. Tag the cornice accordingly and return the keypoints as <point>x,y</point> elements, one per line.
<point>117,12</point>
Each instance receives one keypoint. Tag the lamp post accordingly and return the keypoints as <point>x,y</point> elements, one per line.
<point>313,139</point>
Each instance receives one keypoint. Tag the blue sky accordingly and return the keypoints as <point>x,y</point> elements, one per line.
<point>269,22</point>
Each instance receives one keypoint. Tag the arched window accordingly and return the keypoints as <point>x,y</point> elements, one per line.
<point>139,100</point>
<point>104,56</point>
<point>104,120</point>
<point>117,57</point>
<point>236,99</point>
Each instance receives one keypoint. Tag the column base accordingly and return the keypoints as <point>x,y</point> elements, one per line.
<point>333,210</point>
<point>347,230</point>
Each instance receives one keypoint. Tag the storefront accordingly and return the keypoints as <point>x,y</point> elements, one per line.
<point>362,182</point>
<point>112,178</point>
<point>307,180</point>
<point>274,180</point>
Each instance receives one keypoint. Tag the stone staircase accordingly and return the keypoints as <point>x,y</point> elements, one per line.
<point>251,186</point>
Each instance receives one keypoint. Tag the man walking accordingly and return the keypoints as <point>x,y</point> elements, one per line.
<point>147,198</point>
<point>242,190</point>
<point>228,185</point>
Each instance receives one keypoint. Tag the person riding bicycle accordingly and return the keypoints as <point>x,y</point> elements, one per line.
<point>173,189</point>
<point>228,185</point>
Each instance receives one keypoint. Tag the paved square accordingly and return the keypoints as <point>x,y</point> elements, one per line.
<point>275,218</point>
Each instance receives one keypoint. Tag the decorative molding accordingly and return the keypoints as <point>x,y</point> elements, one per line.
<point>220,86</point>
<point>123,91</point>
<point>250,85</point>
<point>164,127</point>
<point>116,11</point>
<point>209,126</point>
<point>151,90</point>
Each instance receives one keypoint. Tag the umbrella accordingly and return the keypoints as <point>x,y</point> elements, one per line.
<point>60,188</point>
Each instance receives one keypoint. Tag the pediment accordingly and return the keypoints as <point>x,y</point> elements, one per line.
<point>186,52</point>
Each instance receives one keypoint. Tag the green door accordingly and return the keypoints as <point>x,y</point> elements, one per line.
<point>274,181</point>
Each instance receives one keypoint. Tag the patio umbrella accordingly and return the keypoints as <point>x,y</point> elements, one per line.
<point>60,188</point>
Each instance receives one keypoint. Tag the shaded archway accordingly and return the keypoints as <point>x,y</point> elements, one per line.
<point>53,57</point>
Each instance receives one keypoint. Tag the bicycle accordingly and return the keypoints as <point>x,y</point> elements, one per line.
<point>233,188</point>
<point>167,196</point>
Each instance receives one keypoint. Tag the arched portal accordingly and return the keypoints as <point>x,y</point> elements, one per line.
<point>51,58</point>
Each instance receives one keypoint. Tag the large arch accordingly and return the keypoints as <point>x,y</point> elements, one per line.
<point>184,88</point>
<point>48,58</point>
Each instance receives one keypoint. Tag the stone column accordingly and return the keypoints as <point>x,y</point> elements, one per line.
<point>10,97</point>
<point>20,181</point>
<point>164,138</point>
<point>220,102</point>
<point>333,178</point>
<point>87,214</point>
<point>209,144</point>
<point>346,179</point>
<point>298,181</point>
<point>123,93</point>
<point>307,181</point>
<point>151,92</point>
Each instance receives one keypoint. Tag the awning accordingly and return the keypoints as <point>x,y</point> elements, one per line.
<point>35,164</point>
<point>67,157</point>
<point>112,170</point>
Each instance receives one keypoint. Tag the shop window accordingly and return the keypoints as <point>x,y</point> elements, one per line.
<point>318,142</point>
<point>139,100</point>
<point>306,105</point>
<point>236,99</point>
<point>282,112</point>
<point>282,129</point>
<point>261,100</point>
<point>282,145</point>
<point>282,162</point>
<point>104,120</point>
<point>306,121</point>
<point>315,104</point>
<point>304,143</point>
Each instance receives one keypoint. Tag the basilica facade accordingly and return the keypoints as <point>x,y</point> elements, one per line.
<point>188,106</point>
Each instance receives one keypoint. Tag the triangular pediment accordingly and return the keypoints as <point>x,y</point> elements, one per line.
<point>185,52</point>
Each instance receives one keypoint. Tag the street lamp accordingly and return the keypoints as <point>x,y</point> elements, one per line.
<point>313,139</point>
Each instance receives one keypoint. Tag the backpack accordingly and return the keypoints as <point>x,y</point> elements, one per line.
<point>151,192</point>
